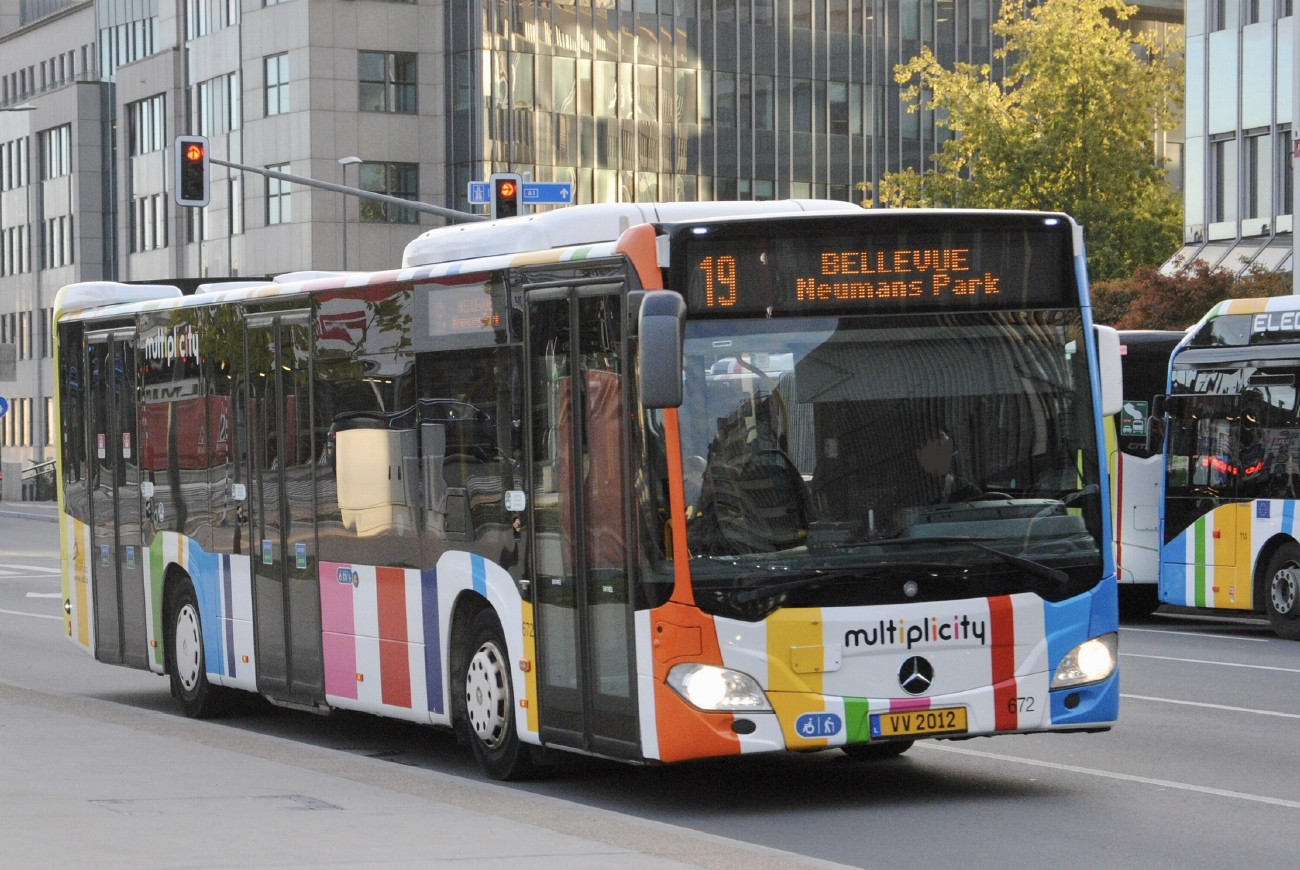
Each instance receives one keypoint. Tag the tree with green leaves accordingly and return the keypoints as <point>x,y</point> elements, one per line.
<point>1069,128</point>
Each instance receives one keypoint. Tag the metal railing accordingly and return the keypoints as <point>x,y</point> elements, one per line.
<point>38,481</point>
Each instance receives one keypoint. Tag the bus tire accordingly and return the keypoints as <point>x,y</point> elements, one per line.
<point>185,663</point>
<point>876,751</point>
<point>487,704</point>
<point>1282,591</point>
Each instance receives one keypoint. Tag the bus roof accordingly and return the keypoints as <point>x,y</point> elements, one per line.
<point>1264,305</point>
<point>586,225</point>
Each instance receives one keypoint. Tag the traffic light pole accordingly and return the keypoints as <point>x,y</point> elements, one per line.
<point>414,205</point>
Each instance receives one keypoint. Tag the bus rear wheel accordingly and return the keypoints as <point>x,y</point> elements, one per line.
<point>185,662</point>
<point>876,751</point>
<point>487,704</point>
<point>1282,592</point>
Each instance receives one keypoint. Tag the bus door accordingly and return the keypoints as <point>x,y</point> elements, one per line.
<point>117,575</point>
<point>580,516</point>
<point>281,502</point>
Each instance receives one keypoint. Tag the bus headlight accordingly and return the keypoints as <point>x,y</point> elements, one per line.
<point>710,687</point>
<point>1090,662</point>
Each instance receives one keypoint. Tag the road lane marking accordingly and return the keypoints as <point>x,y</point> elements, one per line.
<point>1205,662</point>
<point>1125,777</point>
<point>1198,634</point>
<point>33,615</point>
<point>44,594</point>
<point>36,568</point>
<point>1212,706</point>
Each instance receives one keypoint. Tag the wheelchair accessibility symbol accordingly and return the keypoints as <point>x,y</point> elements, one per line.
<point>813,725</point>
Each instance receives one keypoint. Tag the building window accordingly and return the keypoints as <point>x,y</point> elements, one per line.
<point>1285,8</point>
<point>395,179</point>
<point>387,81</point>
<point>1286,196</point>
<point>1258,176</point>
<point>217,105</point>
<point>56,242</point>
<point>56,152</point>
<point>278,201</point>
<point>149,222</point>
<point>1223,180</point>
<point>1218,10</point>
<point>277,84</point>
<point>1250,11</point>
<point>147,125</point>
<point>13,164</point>
<point>15,257</point>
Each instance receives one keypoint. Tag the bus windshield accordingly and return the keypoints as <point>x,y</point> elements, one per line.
<point>832,460</point>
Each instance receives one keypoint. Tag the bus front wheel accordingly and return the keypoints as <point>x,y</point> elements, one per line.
<point>185,663</point>
<point>487,703</point>
<point>1282,592</point>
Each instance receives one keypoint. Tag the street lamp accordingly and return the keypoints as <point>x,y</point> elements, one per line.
<point>345,162</point>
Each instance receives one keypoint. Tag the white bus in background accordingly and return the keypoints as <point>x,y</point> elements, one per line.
<point>1136,463</point>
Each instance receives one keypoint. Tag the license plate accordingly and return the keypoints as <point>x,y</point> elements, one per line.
<point>945,720</point>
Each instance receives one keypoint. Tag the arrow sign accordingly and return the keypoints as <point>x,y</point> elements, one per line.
<point>479,193</point>
<point>4,406</point>
<point>546,192</point>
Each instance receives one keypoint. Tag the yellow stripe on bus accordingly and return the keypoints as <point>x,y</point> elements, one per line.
<point>793,694</point>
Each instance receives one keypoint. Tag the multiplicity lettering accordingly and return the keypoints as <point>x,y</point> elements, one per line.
<point>857,275</point>
<point>180,342</point>
<point>900,632</point>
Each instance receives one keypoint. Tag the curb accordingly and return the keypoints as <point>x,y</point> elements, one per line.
<point>52,518</point>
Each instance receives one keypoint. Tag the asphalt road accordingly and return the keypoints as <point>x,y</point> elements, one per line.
<point>1203,769</point>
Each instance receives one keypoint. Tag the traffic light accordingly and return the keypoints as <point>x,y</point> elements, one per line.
<point>505,187</point>
<point>192,178</point>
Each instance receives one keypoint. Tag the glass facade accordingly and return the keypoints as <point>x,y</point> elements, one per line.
<point>641,100</point>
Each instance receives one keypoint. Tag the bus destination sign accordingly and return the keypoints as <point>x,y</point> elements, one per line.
<point>913,271</point>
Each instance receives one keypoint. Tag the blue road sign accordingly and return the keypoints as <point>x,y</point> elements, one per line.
<point>479,193</point>
<point>4,406</point>
<point>547,192</point>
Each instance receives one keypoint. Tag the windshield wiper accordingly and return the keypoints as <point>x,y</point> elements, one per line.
<point>798,580</point>
<point>1029,566</point>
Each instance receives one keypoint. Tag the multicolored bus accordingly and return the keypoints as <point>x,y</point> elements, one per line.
<point>1232,467</point>
<point>654,483</point>
<point>1136,468</point>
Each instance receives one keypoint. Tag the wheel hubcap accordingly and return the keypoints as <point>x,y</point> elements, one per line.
<point>487,696</point>
<point>1285,591</point>
<point>189,648</point>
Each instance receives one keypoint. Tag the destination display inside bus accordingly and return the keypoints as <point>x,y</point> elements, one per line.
<point>899,272</point>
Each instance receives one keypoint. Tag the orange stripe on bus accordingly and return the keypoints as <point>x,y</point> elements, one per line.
<point>681,633</point>
<point>682,591</point>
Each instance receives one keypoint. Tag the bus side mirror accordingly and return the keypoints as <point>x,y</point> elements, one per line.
<point>1155,435</point>
<point>662,330</point>
<point>1110,370</point>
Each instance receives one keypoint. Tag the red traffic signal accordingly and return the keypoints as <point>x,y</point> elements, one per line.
<point>505,194</point>
<point>193,180</point>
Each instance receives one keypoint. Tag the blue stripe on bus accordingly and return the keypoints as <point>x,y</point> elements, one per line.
<point>1288,514</point>
<point>432,640</point>
<point>478,569</point>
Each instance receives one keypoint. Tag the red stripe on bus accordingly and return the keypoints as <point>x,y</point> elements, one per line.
<point>394,657</point>
<point>1002,628</point>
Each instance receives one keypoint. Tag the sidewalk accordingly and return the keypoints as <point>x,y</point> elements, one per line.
<point>31,510</point>
<point>88,783</point>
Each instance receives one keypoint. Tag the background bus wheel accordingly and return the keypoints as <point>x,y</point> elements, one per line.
<point>487,705</point>
<point>199,698</point>
<point>876,751</point>
<point>1282,592</point>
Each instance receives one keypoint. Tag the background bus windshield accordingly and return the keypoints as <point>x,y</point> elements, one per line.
<point>822,444</point>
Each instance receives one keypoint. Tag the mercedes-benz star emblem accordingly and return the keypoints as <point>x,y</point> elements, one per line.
<point>916,675</point>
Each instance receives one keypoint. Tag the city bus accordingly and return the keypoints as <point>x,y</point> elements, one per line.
<point>1232,467</point>
<point>1136,468</point>
<point>653,483</point>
